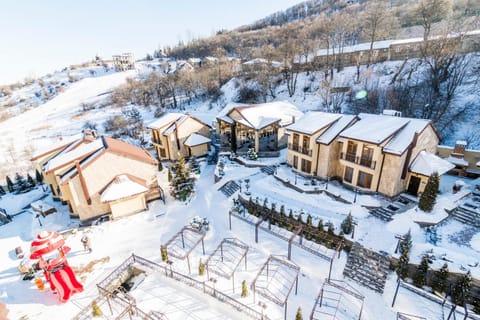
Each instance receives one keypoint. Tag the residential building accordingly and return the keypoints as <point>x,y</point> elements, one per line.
<point>313,145</point>
<point>95,175</point>
<point>378,151</point>
<point>178,134</point>
<point>259,126</point>
<point>124,61</point>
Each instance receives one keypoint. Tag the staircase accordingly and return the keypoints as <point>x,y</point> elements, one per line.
<point>401,204</point>
<point>466,215</point>
<point>229,188</point>
<point>268,170</point>
<point>367,267</point>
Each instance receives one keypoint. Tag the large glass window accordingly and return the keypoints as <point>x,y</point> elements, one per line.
<point>295,162</point>
<point>306,166</point>
<point>364,180</point>
<point>367,157</point>
<point>351,151</point>
<point>348,176</point>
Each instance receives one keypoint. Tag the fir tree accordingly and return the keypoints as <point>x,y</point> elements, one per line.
<point>169,175</point>
<point>233,138</point>
<point>309,220</point>
<point>320,225</point>
<point>38,176</point>
<point>439,281</point>
<point>463,284</point>
<point>2,191</point>
<point>299,316</point>
<point>405,246</point>
<point>21,184</point>
<point>182,182</point>
<point>331,228</point>
<point>10,186</point>
<point>347,224</point>
<point>420,278</point>
<point>290,214</point>
<point>244,289</point>
<point>282,210</point>
<point>163,253</point>
<point>160,166</point>
<point>429,195</point>
<point>30,181</point>
<point>201,268</point>
<point>96,311</point>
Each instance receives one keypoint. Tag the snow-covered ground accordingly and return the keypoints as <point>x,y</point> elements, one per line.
<point>143,233</point>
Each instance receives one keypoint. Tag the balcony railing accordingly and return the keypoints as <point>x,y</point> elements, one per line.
<point>300,149</point>
<point>365,162</point>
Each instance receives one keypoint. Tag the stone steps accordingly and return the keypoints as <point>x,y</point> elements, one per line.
<point>268,170</point>
<point>466,216</point>
<point>229,188</point>
<point>367,267</point>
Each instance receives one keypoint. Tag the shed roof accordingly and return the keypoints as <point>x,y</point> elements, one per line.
<point>196,139</point>
<point>426,163</point>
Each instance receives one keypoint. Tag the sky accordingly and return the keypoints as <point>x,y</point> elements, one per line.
<point>39,37</point>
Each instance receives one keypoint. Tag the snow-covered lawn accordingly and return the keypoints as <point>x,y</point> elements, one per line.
<point>142,234</point>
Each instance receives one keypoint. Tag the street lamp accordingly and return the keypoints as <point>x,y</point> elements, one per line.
<point>170,262</point>
<point>213,280</point>
<point>263,306</point>
<point>355,196</point>
<point>326,186</point>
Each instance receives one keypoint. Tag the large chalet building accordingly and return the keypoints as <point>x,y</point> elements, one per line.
<point>95,175</point>
<point>372,153</point>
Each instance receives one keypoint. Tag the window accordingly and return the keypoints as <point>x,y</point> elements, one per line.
<point>306,166</point>
<point>351,151</point>
<point>162,153</point>
<point>296,138</point>
<point>364,180</point>
<point>348,176</point>
<point>295,162</point>
<point>367,156</point>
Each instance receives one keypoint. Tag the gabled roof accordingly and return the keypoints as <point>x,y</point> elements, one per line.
<point>170,121</point>
<point>426,163</point>
<point>165,120</point>
<point>377,129</point>
<point>336,128</point>
<point>196,139</point>
<point>129,150</point>
<point>122,186</point>
<point>68,156</point>
<point>312,122</point>
<point>258,116</point>
<point>57,146</point>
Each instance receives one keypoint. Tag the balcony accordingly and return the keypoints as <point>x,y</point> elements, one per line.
<point>364,162</point>
<point>300,149</point>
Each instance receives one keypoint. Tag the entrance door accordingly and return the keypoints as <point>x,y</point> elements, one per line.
<point>413,185</point>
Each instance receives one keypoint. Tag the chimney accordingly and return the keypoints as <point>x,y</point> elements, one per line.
<point>89,135</point>
<point>293,119</point>
<point>459,149</point>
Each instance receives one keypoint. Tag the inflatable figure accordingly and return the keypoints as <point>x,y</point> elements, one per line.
<point>49,248</point>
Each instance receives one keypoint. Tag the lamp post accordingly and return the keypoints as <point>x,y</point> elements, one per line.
<point>170,262</point>
<point>355,196</point>
<point>326,186</point>
<point>353,228</point>
<point>263,306</point>
<point>214,280</point>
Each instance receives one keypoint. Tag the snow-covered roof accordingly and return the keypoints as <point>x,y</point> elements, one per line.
<point>384,44</point>
<point>173,125</point>
<point>59,144</point>
<point>378,128</point>
<point>457,161</point>
<point>255,61</point>
<point>80,152</point>
<point>335,129</point>
<point>258,116</point>
<point>121,187</point>
<point>196,139</point>
<point>426,163</point>
<point>312,122</point>
<point>165,120</point>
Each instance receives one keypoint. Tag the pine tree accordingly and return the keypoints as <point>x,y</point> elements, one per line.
<point>309,220</point>
<point>38,177</point>
<point>182,182</point>
<point>21,184</point>
<point>429,195</point>
<point>331,228</point>
<point>405,246</point>
<point>169,175</point>
<point>201,268</point>
<point>163,253</point>
<point>30,181</point>
<point>244,289</point>
<point>347,224</point>
<point>290,214</point>
<point>233,138</point>
<point>320,225</point>
<point>463,284</point>
<point>439,282</point>
<point>299,316</point>
<point>96,311</point>
<point>160,166</point>
<point>420,278</point>
<point>10,186</point>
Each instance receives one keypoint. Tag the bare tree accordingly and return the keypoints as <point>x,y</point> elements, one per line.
<point>378,22</point>
<point>431,11</point>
